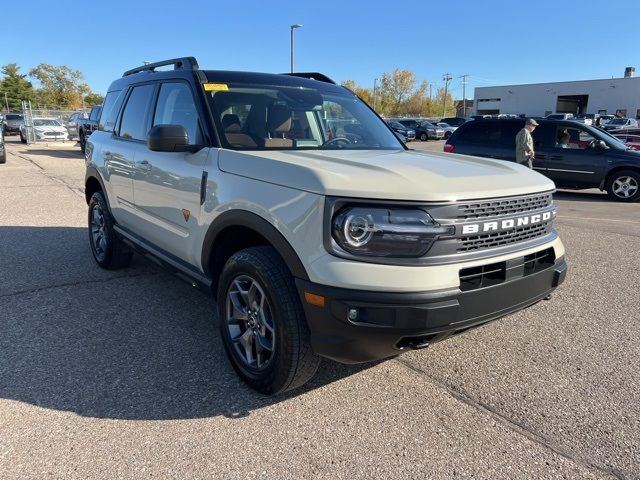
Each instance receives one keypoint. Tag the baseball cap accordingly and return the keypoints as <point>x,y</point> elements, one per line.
<point>531,121</point>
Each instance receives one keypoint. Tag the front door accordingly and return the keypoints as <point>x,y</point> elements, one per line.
<point>167,184</point>
<point>573,161</point>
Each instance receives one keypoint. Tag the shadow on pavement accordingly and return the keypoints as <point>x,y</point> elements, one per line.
<point>580,196</point>
<point>133,344</point>
<point>69,153</point>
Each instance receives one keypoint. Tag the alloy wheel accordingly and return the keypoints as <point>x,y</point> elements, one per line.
<point>625,187</point>
<point>249,321</point>
<point>98,232</point>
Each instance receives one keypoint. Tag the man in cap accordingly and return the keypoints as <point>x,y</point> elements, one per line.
<point>524,144</point>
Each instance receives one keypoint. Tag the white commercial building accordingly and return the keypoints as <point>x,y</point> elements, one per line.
<point>613,96</point>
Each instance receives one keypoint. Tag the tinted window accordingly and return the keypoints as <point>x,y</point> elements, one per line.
<point>134,117</point>
<point>502,133</point>
<point>176,107</point>
<point>94,113</point>
<point>110,109</point>
<point>13,117</point>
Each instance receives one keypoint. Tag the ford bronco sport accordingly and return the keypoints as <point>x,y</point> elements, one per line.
<point>319,233</point>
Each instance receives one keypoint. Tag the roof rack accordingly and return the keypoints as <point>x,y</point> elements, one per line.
<point>184,63</point>
<point>321,77</point>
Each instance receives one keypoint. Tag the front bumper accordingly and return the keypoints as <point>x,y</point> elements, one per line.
<point>388,323</point>
<point>11,129</point>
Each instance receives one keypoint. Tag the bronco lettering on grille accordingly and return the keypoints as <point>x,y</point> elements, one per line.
<point>508,224</point>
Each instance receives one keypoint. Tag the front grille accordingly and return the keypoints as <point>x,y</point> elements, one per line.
<point>54,134</point>
<point>499,207</point>
<point>483,276</point>
<point>491,240</point>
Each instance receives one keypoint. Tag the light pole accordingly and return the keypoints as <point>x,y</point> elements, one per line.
<point>375,81</point>
<point>293,27</point>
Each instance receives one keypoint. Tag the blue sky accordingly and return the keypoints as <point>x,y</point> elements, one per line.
<point>495,42</point>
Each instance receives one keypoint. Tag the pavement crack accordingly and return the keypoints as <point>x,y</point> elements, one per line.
<point>517,427</point>
<point>75,284</point>
<point>75,190</point>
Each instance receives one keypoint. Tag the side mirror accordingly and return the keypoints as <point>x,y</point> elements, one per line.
<point>170,138</point>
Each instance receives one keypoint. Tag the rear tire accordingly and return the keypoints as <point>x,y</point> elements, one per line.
<point>108,250</point>
<point>624,186</point>
<point>22,139</point>
<point>265,334</point>
<point>424,137</point>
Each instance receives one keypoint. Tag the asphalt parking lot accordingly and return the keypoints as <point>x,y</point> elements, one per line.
<point>122,374</point>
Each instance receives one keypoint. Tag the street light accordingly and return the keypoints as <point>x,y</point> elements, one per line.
<point>375,81</point>
<point>293,27</point>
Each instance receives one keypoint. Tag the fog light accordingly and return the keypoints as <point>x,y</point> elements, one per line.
<point>353,314</point>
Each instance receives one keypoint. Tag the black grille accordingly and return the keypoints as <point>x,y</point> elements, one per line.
<point>490,240</point>
<point>500,207</point>
<point>483,276</point>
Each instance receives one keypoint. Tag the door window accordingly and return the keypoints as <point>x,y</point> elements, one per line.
<point>176,107</point>
<point>573,138</point>
<point>134,124</point>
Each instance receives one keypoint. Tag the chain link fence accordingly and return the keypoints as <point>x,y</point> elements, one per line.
<point>48,124</point>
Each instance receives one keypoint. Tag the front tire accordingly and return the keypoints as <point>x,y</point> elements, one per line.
<point>447,135</point>
<point>22,139</point>
<point>83,142</point>
<point>108,250</point>
<point>262,324</point>
<point>624,186</point>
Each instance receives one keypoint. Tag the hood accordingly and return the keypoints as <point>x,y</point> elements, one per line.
<point>386,174</point>
<point>50,128</point>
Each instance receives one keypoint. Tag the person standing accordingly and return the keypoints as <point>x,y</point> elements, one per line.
<point>524,144</point>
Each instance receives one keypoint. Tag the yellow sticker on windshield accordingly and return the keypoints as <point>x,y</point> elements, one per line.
<point>213,87</point>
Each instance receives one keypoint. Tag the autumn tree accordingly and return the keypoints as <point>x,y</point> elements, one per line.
<point>60,86</point>
<point>15,86</point>
<point>93,99</point>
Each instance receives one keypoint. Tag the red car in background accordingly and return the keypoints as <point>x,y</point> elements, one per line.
<point>631,141</point>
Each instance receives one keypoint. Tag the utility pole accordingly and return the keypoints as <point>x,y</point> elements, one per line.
<point>375,81</point>
<point>464,94</point>
<point>430,87</point>
<point>6,102</point>
<point>446,78</point>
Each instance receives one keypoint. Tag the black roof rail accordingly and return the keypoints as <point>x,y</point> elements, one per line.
<point>183,63</point>
<point>321,77</point>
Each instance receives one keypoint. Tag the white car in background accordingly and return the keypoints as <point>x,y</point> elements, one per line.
<point>448,129</point>
<point>45,129</point>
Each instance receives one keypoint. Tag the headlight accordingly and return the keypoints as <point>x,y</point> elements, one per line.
<point>386,232</point>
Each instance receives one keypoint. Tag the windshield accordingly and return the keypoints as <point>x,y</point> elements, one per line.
<point>609,139</point>
<point>426,124</point>
<point>48,122</point>
<point>618,121</point>
<point>277,117</point>
<point>13,117</point>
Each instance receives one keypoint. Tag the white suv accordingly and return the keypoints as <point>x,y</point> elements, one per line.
<point>319,233</point>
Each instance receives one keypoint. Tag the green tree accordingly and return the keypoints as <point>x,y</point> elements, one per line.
<point>60,86</point>
<point>395,88</point>
<point>16,87</point>
<point>93,98</point>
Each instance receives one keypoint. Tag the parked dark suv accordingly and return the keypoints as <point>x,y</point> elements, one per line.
<point>590,158</point>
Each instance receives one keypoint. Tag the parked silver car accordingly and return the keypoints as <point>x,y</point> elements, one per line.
<point>448,129</point>
<point>72,123</point>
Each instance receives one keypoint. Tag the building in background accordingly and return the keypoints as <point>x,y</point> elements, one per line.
<point>461,111</point>
<point>613,96</point>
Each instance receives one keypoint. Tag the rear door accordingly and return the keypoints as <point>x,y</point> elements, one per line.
<point>167,185</point>
<point>579,164</point>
